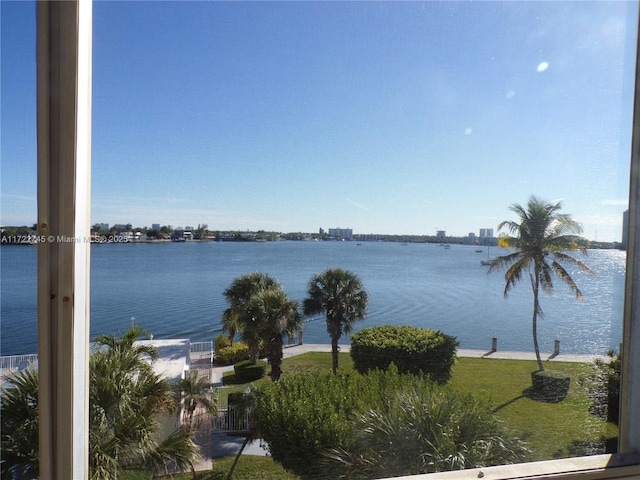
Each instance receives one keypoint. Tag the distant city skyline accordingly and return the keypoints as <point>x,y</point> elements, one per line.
<point>388,117</point>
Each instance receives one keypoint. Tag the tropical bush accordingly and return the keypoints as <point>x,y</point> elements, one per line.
<point>220,342</point>
<point>613,388</point>
<point>425,432</point>
<point>19,425</point>
<point>604,388</point>
<point>413,350</point>
<point>313,425</point>
<point>232,354</point>
<point>127,400</point>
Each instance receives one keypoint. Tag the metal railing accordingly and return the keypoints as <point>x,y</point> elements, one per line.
<point>17,362</point>
<point>201,347</point>
<point>231,419</point>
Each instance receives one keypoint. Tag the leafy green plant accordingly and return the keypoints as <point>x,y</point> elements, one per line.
<point>126,401</point>
<point>604,388</point>
<point>613,388</point>
<point>232,354</point>
<point>221,341</point>
<point>19,421</point>
<point>424,432</point>
<point>413,350</point>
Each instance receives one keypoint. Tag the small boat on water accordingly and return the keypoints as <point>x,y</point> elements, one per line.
<point>488,260</point>
<point>479,250</point>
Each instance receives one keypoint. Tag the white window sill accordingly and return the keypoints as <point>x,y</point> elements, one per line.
<point>619,466</point>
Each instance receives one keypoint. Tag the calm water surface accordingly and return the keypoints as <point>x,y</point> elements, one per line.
<point>175,291</point>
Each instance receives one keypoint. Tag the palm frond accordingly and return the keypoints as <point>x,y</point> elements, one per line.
<point>514,273</point>
<point>177,451</point>
<point>566,278</point>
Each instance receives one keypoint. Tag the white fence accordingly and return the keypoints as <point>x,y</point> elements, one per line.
<point>201,347</point>
<point>231,419</point>
<point>15,363</point>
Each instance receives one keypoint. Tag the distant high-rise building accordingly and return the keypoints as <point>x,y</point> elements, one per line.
<point>486,233</point>
<point>441,234</point>
<point>155,226</point>
<point>486,237</point>
<point>343,233</point>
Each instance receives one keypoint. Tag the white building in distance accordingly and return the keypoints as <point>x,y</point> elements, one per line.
<point>343,233</point>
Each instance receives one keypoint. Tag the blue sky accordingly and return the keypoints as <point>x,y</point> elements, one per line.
<point>385,117</point>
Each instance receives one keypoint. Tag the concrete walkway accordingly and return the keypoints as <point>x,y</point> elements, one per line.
<point>291,351</point>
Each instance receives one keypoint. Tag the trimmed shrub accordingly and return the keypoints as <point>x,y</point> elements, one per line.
<point>413,350</point>
<point>245,372</point>
<point>550,386</point>
<point>232,354</point>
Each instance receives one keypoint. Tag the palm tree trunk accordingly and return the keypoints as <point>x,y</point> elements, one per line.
<point>334,353</point>
<point>235,460</point>
<point>276,359</point>
<point>536,309</point>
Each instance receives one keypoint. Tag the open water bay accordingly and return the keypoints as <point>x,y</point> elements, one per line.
<point>174,290</point>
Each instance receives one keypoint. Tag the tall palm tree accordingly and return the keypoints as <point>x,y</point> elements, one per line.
<point>341,295</point>
<point>268,316</point>
<point>237,296</point>
<point>540,239</point>
<point>195,392</point>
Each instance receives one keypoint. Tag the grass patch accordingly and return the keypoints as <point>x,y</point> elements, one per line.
<point>315,361</point>
<point>248,468</point>
<point>554,430</point>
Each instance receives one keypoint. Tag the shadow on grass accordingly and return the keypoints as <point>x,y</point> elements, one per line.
<point>545,397</point>
<point>535,395</point>
<point>581,448</point>
<point>506,404</point>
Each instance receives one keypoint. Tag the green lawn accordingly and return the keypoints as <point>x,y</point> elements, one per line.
<point>553,430</point>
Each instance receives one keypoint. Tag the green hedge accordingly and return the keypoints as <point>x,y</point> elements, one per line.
<point>232,354</point>
<point>245,372</point>
<point>412,350</point>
